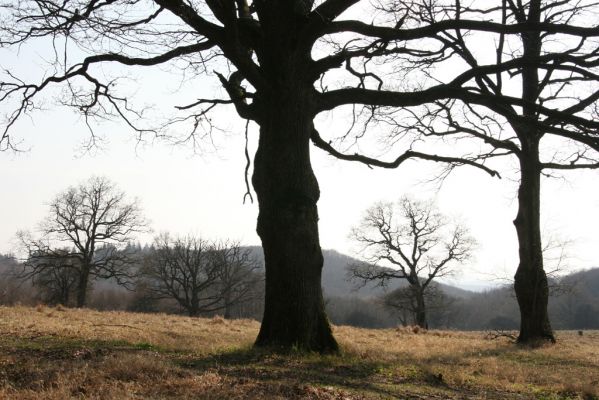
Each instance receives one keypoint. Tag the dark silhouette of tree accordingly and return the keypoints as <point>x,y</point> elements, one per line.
<point>540,89</point>
<point>405,304</point>
<point>201,276</point>
<point>55,276</point>
<point>94,218</point>
<point>279,55</point>
<point>239,276</point>
<point>414,242</point>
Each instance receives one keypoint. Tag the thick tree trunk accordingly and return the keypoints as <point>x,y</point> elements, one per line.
<point>530,281</point>
<point>287,190</point>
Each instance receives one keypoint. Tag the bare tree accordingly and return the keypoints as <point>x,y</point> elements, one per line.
<point>97,222</point>
<point>55,275</point>
<point>279,56</point>
<point>201,276</point>
<point>403,303</point>
<point>182,269</point>
<point>239,276</point>
<point>540,90</point>
<point>409,240</point>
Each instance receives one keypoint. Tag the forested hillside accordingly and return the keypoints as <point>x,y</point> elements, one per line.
<point>574,303</point>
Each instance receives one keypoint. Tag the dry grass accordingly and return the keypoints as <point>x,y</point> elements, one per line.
<point>59,353</point>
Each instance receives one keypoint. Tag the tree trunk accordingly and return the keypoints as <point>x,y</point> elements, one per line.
<point>287,191</point>
<point>530,281</point>
<point>420,310</point>
<point>82,286</point>
<point>193,309</point>
<point>227,300</point>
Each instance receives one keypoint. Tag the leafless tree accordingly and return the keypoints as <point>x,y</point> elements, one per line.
<point>540,90</point>
<point>403,303</point>
<point>409,240</point>
<point>56,276</point>
<point>239,276</point>
<point>97,223</point>
<point>201,276</point>
<point>288,61</point>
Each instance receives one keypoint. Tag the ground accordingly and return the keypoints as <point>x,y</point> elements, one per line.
<point>58,353</point>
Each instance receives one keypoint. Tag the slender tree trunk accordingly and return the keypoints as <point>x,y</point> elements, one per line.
<point>530,281</point>
<point>82,286</point>
<point>194,305</point>
<point>420,310</point>
<point>64,297</point>
<point>227,301</point>
<point>287,190</point>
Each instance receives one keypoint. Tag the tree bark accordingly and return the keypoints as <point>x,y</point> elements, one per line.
<point>287,191</point>
<point>227,300</point>
<point>530,281</point>
<point>420,310</point>
<point>82,286</point>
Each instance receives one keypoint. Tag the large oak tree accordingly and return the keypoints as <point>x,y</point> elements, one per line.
<point>279,55</point>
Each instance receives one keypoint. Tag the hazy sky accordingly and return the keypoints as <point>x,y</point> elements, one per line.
<point>202,194</point>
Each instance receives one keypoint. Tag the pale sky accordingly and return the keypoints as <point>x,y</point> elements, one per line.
<point>202,194</point>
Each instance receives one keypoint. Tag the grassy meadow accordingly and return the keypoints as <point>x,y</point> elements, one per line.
<point>59,353</point>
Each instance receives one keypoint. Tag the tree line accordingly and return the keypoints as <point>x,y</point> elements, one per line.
<point>87,237</point>
<point>408,241</point>
<point>493,309</point>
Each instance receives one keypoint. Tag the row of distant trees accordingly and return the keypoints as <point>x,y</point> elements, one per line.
<point>575,308</point>
<point>86,237</point>
<point>197,276</point>
<point>495,309</point>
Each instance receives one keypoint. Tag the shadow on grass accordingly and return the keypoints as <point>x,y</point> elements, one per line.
<point>57,347</point>
<point>513,352</point>
<point>346,371</point>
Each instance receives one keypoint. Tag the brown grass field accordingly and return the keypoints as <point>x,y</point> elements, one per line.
<point>57,353</point>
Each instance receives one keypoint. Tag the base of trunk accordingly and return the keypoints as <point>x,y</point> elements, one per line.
<point>532,292</point>
<point>285,336</point>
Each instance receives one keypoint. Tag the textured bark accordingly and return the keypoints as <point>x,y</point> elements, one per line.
<point>287,190</point>
<point>530,281</point>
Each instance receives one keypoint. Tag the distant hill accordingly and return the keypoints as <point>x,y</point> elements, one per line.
<point>335,280</point>
<point>573,303</point>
